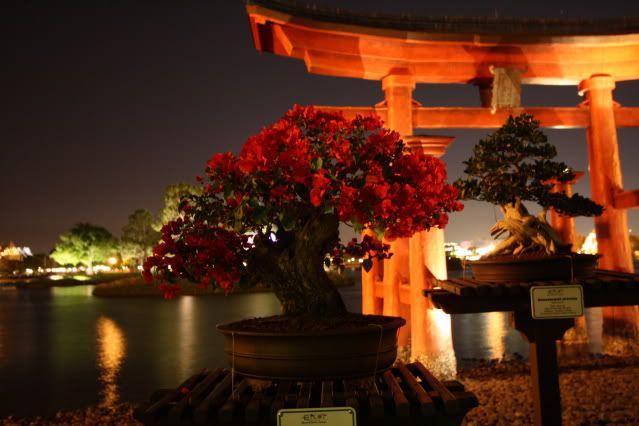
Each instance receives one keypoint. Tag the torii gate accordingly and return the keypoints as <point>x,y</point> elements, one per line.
<point>401,52</point>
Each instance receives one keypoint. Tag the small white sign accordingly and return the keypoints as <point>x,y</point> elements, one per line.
<point>562,301</point>
<point>332,416</point>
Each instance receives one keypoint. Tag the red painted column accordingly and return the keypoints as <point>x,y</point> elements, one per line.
<point>605,174</point>
<point>398,93</point>
<point>565,225</point>
<point>427,259</point>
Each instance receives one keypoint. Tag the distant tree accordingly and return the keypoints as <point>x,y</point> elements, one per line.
<point>138,236</point>
<point>173,195</point>
<point>84,244</point>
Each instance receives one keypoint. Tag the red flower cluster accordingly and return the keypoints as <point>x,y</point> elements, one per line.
<point>205,254</point>
<point>309,163</point>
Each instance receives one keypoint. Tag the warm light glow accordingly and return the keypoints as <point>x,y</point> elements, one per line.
<point>11,252</point>
<point>111,354</point>
<point>80,278</point>
<point>590,244</point>
<point>495,332</point>
<point>186,337</point>
<point>467,250</point>
<point>439,322</point>
<point>439,355</point>
<point>112,260</point>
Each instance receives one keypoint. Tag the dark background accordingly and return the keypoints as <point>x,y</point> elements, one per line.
<point>104,103</point>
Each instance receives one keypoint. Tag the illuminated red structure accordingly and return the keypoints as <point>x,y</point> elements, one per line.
<point>495,54</point>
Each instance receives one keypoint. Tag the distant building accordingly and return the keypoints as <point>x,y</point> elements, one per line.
<point>13,252</point>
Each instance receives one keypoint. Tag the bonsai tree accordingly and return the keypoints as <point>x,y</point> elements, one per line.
<point>271,214</point>
<point>513,165</point>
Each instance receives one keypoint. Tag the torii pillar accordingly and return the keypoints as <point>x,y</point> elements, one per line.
<point>605,174</point>
<point>565,225</point>
<point>398,93</point>
<point>427,260</point>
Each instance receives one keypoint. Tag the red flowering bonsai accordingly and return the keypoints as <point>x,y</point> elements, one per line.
<point>271,214</point>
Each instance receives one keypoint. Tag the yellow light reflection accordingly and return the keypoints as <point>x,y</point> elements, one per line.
<point>496,326</point>
<point>111,354</point>
<point>439,356</point>
<point>186,337</point>
<point>439,323</point>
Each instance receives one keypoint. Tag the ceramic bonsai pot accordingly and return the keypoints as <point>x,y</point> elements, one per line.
<point>305,355</point>
<point>535,268</point>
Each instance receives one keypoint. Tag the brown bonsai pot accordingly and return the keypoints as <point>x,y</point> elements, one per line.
<point>358,349</point>
<point>535,268</point>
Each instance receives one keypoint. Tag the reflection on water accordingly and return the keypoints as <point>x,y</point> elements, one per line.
<point>62,348</point>
<point>495,324</point>
<point>81,290</point>
<point>439,355</point>
<point>186,341</point>
<point>111,354</point>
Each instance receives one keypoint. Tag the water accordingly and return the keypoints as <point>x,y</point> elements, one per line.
<point>61,348</point>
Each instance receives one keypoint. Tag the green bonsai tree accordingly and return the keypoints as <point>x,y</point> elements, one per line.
<point>515,164</point>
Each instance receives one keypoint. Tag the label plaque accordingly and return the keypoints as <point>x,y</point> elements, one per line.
<point>332,416</point>
<point>562,301</point>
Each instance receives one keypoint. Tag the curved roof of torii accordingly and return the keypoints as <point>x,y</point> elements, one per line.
<point>445,50</point>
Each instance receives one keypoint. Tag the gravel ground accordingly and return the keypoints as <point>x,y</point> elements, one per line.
<point>595,391</point>
<point>120,414</point>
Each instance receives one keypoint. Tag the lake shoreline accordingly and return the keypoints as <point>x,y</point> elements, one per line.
<point>133,285</point>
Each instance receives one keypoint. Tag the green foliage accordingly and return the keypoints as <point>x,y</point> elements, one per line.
<point>516,163</point>
<point>85,244</point>
<point>138,236</point>
<point>173,196</point>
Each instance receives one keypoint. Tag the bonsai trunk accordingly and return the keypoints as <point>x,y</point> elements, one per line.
<point>296,270</point>
<point>526,232</point>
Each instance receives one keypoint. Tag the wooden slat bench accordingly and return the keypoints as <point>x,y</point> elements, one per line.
<point>465,295</point>
<point>404,395</point>
<point>469,296</point>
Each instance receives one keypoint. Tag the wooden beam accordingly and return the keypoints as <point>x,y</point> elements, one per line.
<point>344,49</point>
<point>627,199</point>
<point>627,116</point>
<point>350,112</point>
<point>483,118</point>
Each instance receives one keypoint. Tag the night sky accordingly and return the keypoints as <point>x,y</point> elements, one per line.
<point>105,103</point>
